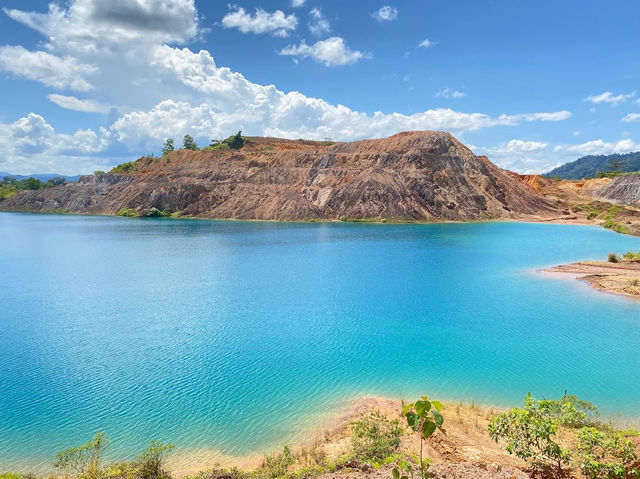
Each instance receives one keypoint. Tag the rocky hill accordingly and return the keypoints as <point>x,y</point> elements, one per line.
<point>623,189</point>
<point>415,176</point>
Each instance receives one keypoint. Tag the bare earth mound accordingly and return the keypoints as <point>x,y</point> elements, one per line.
<point>413,176</point>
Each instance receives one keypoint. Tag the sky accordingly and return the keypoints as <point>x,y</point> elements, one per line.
<point>88,84</point>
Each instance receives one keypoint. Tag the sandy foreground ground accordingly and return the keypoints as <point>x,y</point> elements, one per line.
<point>618,278</point>
<point>464,451</point>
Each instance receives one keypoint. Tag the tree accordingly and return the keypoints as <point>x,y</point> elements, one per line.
<point>604,457</point>
<point>168,146</point>
<point>189,143</point>
<point>236,141</point>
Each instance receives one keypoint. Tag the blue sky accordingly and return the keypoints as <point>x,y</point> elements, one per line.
<point>88,84</point>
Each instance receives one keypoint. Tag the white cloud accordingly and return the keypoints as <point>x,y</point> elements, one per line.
<point>276,23</point>
<point>76,104</point>
<point>31,144</point>
<point>92,25</point>
<point>600,147</point>
<point>449,93</point>
<point>426,43</point>
<point>168,91</point>
<point>520,145</point>
<point>297,3</point>
<point>50,70</point>
<point>330,52</point>
<point>610,98</point>
<point>385,14</point>
<point>319,25</point>
<point>631,117</point>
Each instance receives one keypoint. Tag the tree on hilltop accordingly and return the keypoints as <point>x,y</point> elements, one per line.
<point>168,147</point>
<point>189,143</point>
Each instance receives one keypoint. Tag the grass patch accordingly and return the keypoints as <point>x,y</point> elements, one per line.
<point>617,227</point>
<point>350,219</point>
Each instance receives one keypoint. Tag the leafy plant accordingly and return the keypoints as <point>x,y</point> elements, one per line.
<point>128,167</point>
<point>85,459</point>
<point>529,434</point>
<point>151,462</point>
<point>571,411</point>
<point>375,437</point>
<point>168,147</point>
<point>188,143</point>
<point>423,417</point>
<point>606,457</point>
<point>129,212</point>
<point>276,465</point>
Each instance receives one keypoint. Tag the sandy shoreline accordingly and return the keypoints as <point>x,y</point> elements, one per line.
<point>617,278</point>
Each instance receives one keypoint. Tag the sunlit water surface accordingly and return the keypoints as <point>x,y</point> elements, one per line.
<point>230,336</point>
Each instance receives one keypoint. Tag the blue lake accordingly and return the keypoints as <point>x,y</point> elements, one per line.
<point>230,336</point>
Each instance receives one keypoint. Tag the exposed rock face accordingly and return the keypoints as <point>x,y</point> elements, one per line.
<point>624,189</point>
<point>421,176</point>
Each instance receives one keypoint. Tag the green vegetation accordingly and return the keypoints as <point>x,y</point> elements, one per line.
<point>83,461</point>
<point>129,212</point>
<point>128,167</point>
<point>613,258</point>
<point>531,434</point>
<point>188,143</point>
<point>99,172</point>
<point>350,219</point>
<point>10,186</point>
<point>375,436</point>
<point>277,465</point>
<point>423,417</point>
<point>617,227</point>
<point>156,213</point>
<point>167,147</point>
<point>598,166</point>
<point>603,456</point>
<point>629,256</point>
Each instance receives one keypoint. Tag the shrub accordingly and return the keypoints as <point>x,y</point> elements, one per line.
<point>592,215</point>
<point>129,212</point>
<point>156,213</point>
<point>375,437</point>
<point>571,411</point>
<point>529,434</point>
<point>151,462</point>
<point>277,465</point>
<point>128,167</point>
<point>235,142</point>
<point>99,173</point>
<point>606,457</point>
<point>613,258</point>
<point>85,459</point>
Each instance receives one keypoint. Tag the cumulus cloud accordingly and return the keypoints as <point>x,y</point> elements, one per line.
<point>520,145</point>
<point>631,117</point>
<point>385,14</point>
<point>522,156</point>
<point>31,143</point>
<point>92,25</point>
<point>330,52</point>
<point>276,23</point>
<point>164,90</point>
<point>600,147</point>
<point>449,93</point>
<point>297,3</point>
<point>319,25</point>
<point>76,104</point>
<point>426,43</point>
<point>610,98</point>
<point>50,70</point>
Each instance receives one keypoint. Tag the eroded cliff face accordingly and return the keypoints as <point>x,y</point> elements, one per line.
<point>623,189</point>
<point>421,176</point>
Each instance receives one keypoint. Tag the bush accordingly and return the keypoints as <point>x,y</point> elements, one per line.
<point>613,258</point>
<point>375,437</point>
<point>571,411</point>
<point>529,434</point>
<point>83,460</point>
<point>277,465</point>
<point>151,462</point>
<point>128,167</point>
<point>156,213</point>
<point>99,173</point>
<point>128,212</point>
<point>188,143</point>
<point>167,147</point>
<point>606,457</point>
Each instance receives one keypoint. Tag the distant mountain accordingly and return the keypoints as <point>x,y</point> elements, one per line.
<point>41,177</point>
<point>589,166</point>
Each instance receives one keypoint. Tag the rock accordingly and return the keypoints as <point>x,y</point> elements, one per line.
<point>366,468</point>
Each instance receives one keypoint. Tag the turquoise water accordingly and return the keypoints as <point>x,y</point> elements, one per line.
<point>231,335</point>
